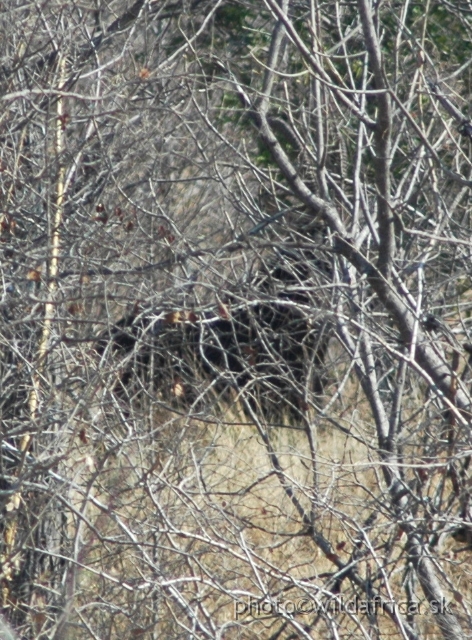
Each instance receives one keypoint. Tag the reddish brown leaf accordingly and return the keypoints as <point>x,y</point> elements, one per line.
<point>34,275</point>
<point>7,223</point>
<point>74,308</point>
<point>144,74</point>
<point>64,119</point>
<point>172,318</point>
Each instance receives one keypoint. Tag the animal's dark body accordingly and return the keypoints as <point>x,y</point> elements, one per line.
<point>271,349</point>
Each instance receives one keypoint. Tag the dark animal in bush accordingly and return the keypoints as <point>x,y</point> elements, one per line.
<point>268,349</point>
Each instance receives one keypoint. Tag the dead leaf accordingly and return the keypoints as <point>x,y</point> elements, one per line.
<point>7,223</point>
<point>14,502</point>
<point>223,311</point>
<point>178,389</point>
<point>34,275</point>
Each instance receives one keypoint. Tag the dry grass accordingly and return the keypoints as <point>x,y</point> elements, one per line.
<point>174,507</point>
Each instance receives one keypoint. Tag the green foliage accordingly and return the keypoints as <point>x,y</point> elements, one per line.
<point>357,68</point>
<point>446,33</point>
<point>449,36</point>
<point>232,17</point>
<point>263,158</point>
<point>239,27</point>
